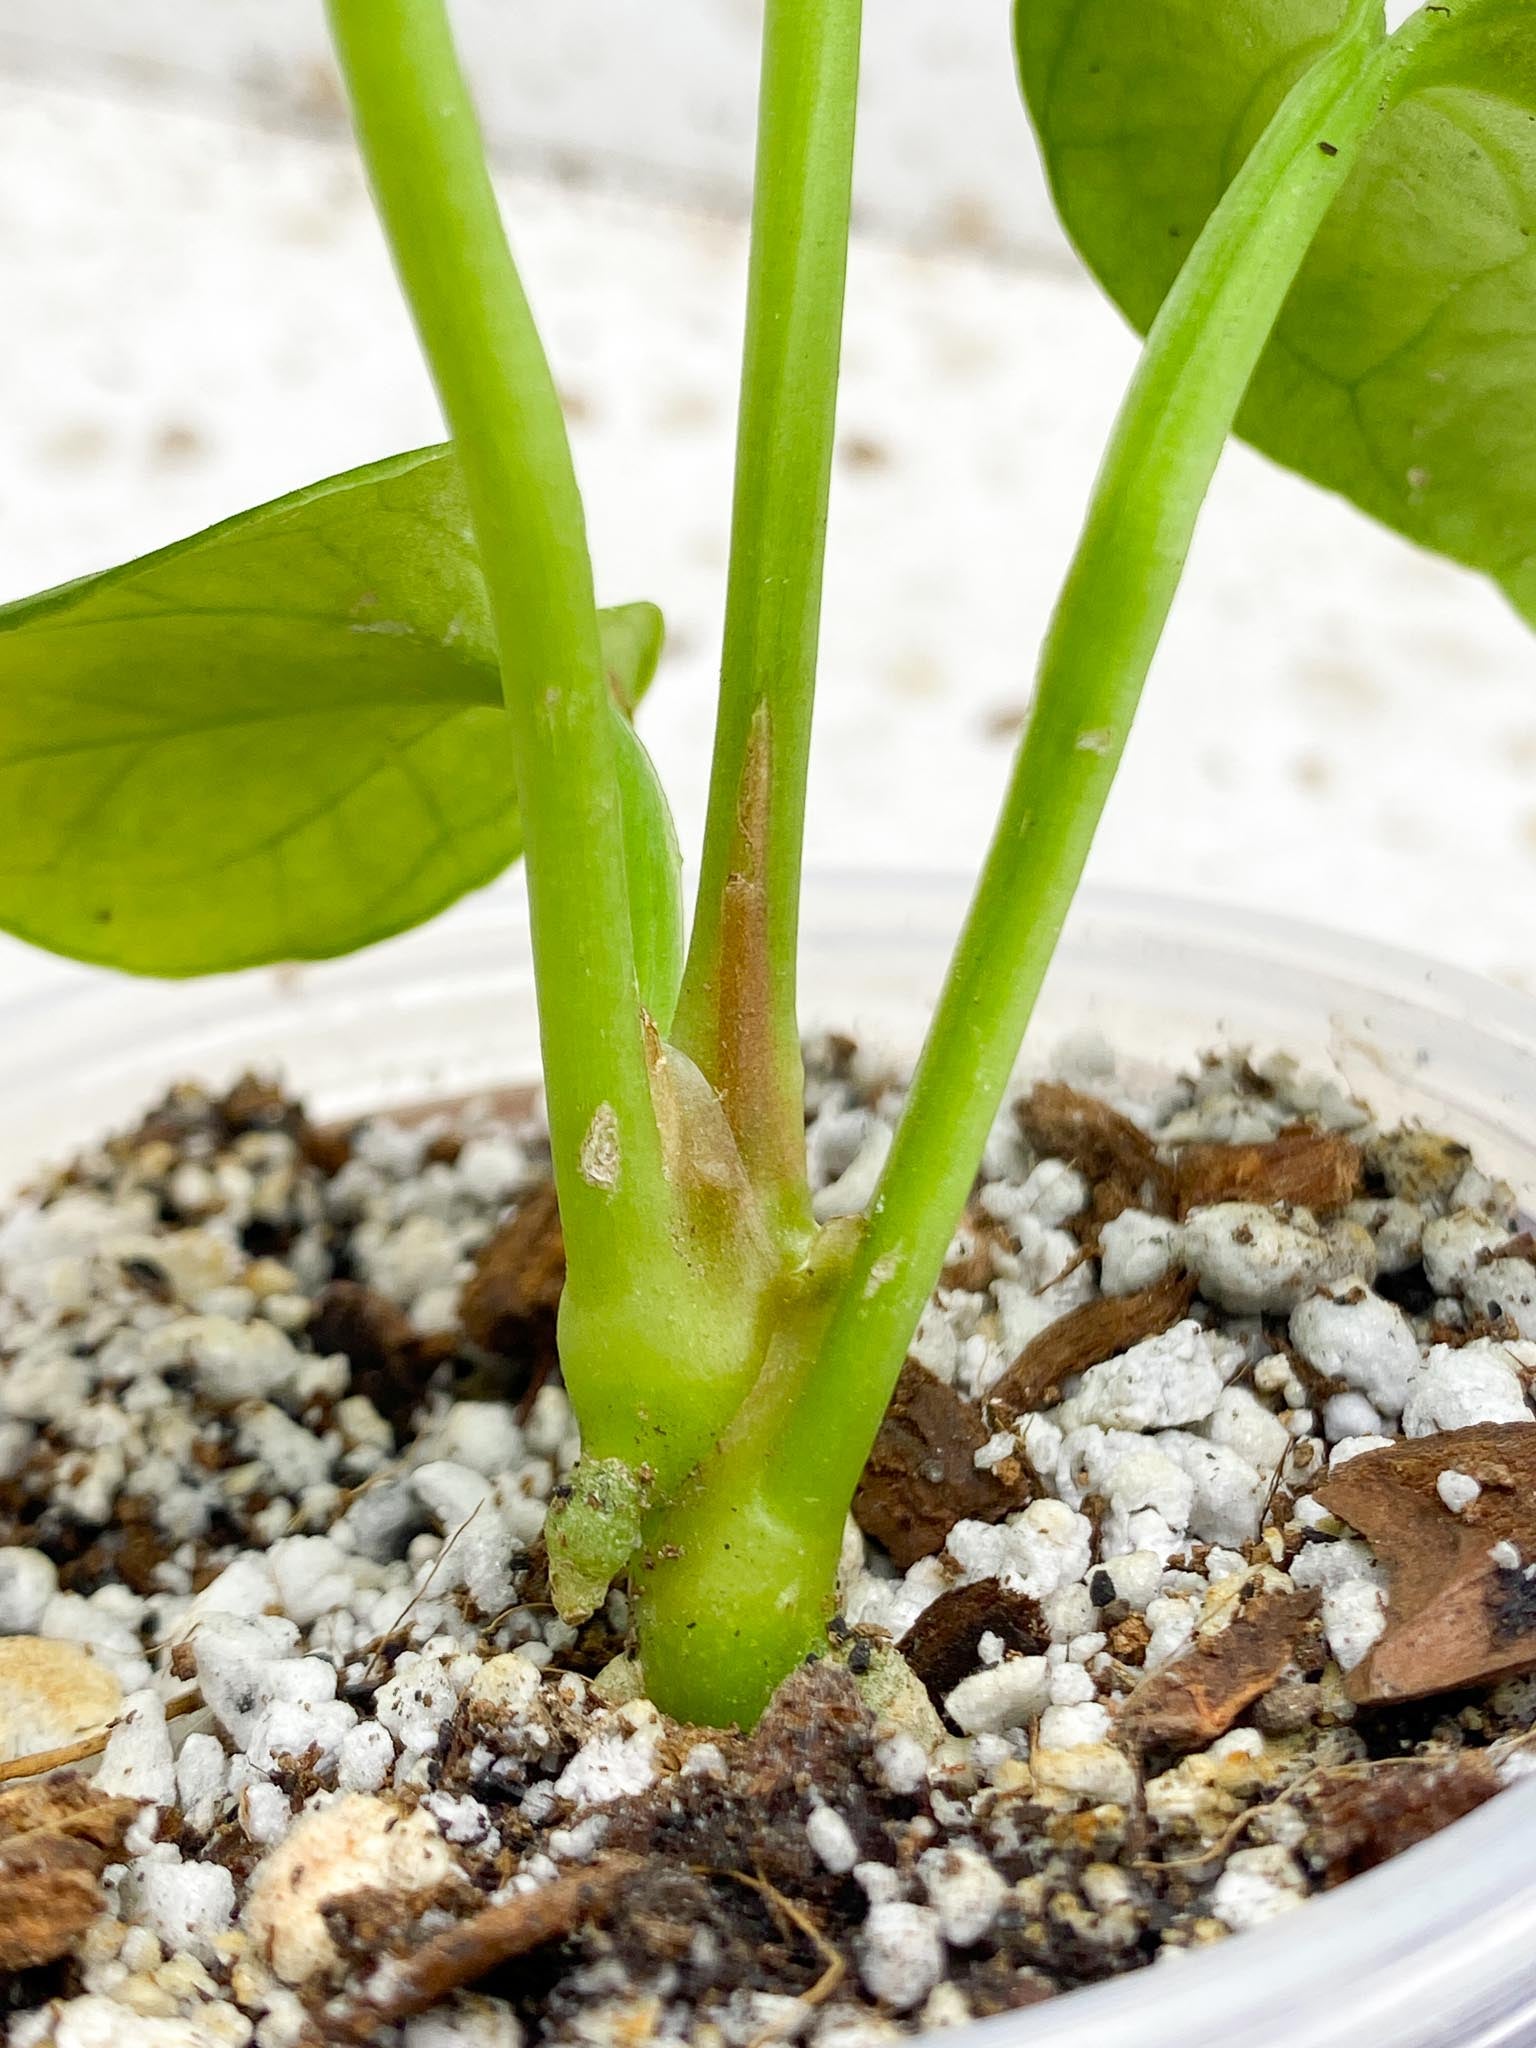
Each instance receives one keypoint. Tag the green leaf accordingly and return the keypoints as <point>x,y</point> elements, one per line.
<point>1402,372</point>
<point>281,739</point>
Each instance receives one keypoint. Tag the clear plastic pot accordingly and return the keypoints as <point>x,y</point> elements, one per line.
<point>1436,1949</point>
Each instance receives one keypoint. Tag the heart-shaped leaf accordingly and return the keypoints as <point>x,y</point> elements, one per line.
<point>1402,372</point>
<point>283,738</point>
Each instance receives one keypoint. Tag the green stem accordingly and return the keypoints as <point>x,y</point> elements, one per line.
<point>420,141</point>
<point>790,1465</point>
<point>1199,359</point>
<point>737,1016</point>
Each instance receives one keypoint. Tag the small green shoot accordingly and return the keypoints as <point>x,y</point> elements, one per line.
<point>320,722</point>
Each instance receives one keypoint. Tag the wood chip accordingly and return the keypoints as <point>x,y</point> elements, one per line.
<point>975,1271</point>
<point>1119,1161</point>
<point>56,1838</point>
<point>1361,1815</point>
<point>1456,1616</point>
<point>390,1364</point>
<point>1313,1169</point>
<point>921,1477</point>
<point>941,1645</point>
<point>470,1950</point>
<point>510,1300</point>
<point>1188,1703</point>
<point>1087,1336</point>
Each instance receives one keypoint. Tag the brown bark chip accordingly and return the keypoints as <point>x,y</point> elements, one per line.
<point>509,1303</point>
<point>56,1838</point>
<point>1316,1170</point>
<point>1188,1703</point>
<point>921,1477</point>
<point>976,1269</point>
<point>389,1363</point>
<point>1456,1615</point>
<point>1087,1336</point>
<point>1119,1160</point>
<point>472,1948</point>
<point>1361,1815</point>
<point>942,1644</point>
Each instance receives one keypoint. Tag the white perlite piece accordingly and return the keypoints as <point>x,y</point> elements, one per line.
<point>1073,1756</point>
<point>996,1451</point>
<point>1348,1333</point>
<point>1245,1426</point>
<point>964,1889</point>
<point>901,1953</point>
<point>1136,1250</point>
<point>1150,1497</point>
<point>1171,1618</point>
<point>1453,1388</point>
<point>28,1581</point>
<point>365,1757</point>
<point>184,1905</point>
<point>201,1775</point>
<point>831,1838</point>
<point>1354,1596</point>
<point>1051,1194</point>
<point>1036,1552</point>
<point>1349,1415</point>
<point>1453,1246</point>
<point>1457,1490</point>
<point>1158,1384</point>
<point>1356,1447</point>
<point>850,1193</point>
<point>468,2021</point>
<point>354,1844</point>
<point>137,1763</point>
<point>1257,1885</point>
<point>1249,1259</point>
<point>229,1361</point>
<point>416,1703</point>
<point>1136,1576</point>
<point>1010,1695</point>
<point>1505,1287</point>
<point>294,1728</point>
<point>101,2022</point>
<point>493,1168</point>
<point>237,1659</point>
<point>1229,1493</point>
<point>1396,1228</point>
<point>902,1763</point>
<point>613,1765</point>
<point>264,1811</point>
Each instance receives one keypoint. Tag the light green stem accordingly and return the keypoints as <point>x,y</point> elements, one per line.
<point>421,144</point>
<point>788,1471</point>
<point>737,1016</point>
<point>1199,359</point>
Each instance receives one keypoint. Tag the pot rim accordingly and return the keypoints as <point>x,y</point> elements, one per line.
<point>1208,920</point>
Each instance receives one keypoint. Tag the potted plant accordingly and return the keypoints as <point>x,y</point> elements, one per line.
<point>319,723</point>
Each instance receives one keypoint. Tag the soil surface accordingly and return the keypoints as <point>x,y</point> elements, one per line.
<point>1194,1572</point>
